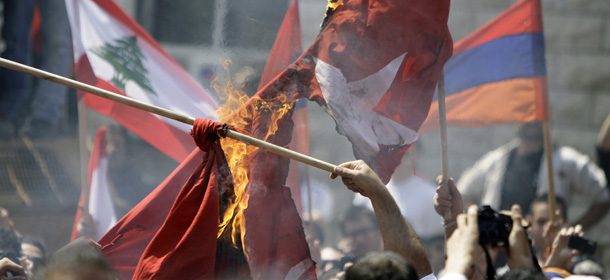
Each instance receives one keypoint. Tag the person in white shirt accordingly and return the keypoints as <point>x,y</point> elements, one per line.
<point>516,174</point>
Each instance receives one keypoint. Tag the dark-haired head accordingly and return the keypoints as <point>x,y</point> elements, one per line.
<point>381,266</point>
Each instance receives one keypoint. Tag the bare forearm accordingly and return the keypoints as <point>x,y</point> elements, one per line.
<point>595,213</point>
<point>397,234</point>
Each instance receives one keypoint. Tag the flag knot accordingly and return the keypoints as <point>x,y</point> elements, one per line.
<point>205,132</point>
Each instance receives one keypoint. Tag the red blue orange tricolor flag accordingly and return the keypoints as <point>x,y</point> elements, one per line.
<point>498,73</point>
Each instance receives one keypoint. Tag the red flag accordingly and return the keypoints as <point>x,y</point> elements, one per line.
<point>376,64</point>
<point>100,207</point>
<point>287,46</point>
<point>274,240</point>
<point>113,52</point>
<point>498,73</point>
<point>185,245</point>
<point>285,50</point>
<point>124,243</point>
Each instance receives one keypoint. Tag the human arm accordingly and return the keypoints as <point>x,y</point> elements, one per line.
<point>448,200</point>
<point>594,214</point>
<point>588,180</point>
<point>397,234</point>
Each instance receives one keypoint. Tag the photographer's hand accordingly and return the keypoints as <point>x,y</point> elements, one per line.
<point>463,248</point>
<point>8,267</point>
<point>518,254</point>
<point>561,254</point>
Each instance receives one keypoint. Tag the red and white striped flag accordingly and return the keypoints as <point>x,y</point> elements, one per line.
<point>100,205</point>
<point>113,52</point>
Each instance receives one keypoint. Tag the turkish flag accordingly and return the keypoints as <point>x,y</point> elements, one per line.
<point>375,65</point>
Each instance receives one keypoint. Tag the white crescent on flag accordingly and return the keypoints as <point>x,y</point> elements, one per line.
<point>352,105</point>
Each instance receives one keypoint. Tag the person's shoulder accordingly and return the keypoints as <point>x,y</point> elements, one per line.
<point>567,153</point>
<point>492,157</point>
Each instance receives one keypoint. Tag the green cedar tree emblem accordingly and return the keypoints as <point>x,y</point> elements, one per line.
<point>126,59</point>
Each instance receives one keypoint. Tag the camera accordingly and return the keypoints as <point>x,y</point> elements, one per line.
<point>10,255</point>
<point>494,228</point>
<point>585,246</point>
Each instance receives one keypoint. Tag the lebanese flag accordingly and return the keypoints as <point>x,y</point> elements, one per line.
<point>376,64</point>
<point>113,52</point>
<point>100,207</point>
<point>286,49</point>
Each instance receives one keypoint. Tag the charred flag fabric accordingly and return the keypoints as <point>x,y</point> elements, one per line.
<point>376,64</point>
<point>498,73</point>
<point>286,49</point>
<point>113,52</point>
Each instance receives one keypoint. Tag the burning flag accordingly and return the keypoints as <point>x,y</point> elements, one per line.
<point>113,52</point>
<point>285,50</point>
<point>375,65</point>
<point>185,246</point>
<point>100,205</point>
<point>498,73</point>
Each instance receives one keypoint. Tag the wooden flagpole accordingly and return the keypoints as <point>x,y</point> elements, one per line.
<point>442,112</point>
<point>162,112</point>
<point>82,147</point>
<point>548,155</point>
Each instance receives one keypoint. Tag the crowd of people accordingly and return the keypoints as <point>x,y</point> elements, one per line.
<point>515,235</point>
<point>531,241</point>
<point>407,229</point>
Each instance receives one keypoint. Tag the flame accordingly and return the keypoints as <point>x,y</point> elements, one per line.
<point>334,4</point>
<point>239,154</point>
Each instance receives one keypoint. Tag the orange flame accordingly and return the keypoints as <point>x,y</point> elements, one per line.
<point>239,154</point>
